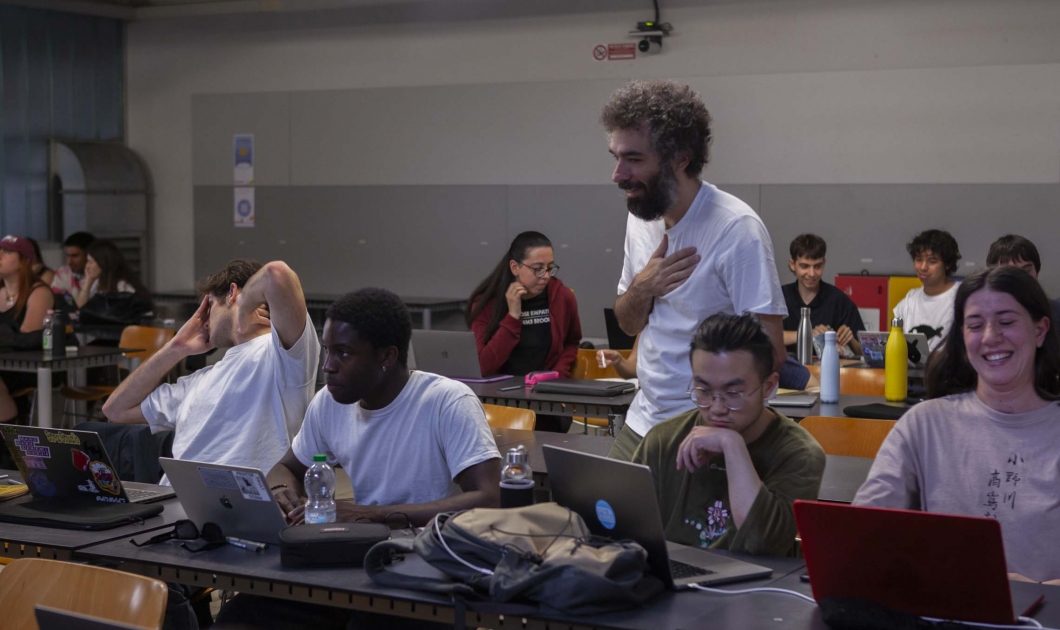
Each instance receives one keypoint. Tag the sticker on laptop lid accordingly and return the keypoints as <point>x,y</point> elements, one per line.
<point>80,459</point>
<point>105,477</point>
<point>251,486</point>
<point>217,478</point>
<point>605,514</point>
<point>34,462</point>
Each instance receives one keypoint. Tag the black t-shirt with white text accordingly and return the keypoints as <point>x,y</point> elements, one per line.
<point>535,339</point>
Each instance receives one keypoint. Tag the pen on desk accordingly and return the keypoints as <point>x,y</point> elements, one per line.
<point>245,544</point>
<point>510,388</point>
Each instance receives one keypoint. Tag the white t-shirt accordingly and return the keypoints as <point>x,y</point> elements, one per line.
<point>736,274</point>
<point>928,314</point>
<point>408,452</point>
<point>244,409</point>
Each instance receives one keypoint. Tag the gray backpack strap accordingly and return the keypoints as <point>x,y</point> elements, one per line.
<point>381,554</point>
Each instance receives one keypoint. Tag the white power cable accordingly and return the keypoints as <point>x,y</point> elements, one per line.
<point>441,539</point>
<point>1025,620</point>
<point>764,589</point>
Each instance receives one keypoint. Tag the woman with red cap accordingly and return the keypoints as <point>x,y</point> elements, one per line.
<point>24,301</point>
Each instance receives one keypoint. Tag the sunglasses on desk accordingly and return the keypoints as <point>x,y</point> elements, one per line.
<point>186,530</point>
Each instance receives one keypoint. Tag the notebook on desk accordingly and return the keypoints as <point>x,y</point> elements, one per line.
<point>932,565</point>
<point>584,387</point>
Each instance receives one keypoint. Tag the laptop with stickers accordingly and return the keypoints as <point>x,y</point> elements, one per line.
<point>617,500</point>
<point>73,465</point>
<point>235,498</point>
<point>72,480</point>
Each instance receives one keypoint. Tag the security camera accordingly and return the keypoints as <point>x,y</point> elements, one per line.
<point>650,46</point>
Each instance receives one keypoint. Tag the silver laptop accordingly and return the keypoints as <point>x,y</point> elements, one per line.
<point>235,498</point>
<point>793,400</point>
<point>446,352</point>
<point>617,500</point>
<point>874,347</point>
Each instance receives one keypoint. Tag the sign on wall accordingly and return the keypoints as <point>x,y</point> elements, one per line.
<point>243,150</point>
<point>244,207</point>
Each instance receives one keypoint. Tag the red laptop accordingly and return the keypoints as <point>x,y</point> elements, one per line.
<point>932,565</point>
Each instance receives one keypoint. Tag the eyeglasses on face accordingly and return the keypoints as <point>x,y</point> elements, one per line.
<point>704,398</point>
<point>541,271</point>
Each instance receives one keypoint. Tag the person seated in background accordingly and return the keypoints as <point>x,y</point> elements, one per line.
<point>24,302</point>
<point>728,472</point>
<point>69,277</point>
<point>523,318</point>
<point>793,375</point>
<point>413,443</point>
<point>107,272</point>
<point>1017,251</point>
<point>830,308</point>
<point>985,442</point>
<point>245,409</point>
<point>44,273</point>
<point>929,309</point>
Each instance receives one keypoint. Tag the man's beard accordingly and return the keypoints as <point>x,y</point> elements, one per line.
<point>660,193</point>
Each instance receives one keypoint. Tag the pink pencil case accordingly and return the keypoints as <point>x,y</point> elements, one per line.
<point>533,378</point>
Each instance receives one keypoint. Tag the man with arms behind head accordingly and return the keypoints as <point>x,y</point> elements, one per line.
<point>691,250</point>
<point>413,443</point>
<point>830,308</point>
<point>244,409</point>
<point>1017,251</point>
<point>728,472</point>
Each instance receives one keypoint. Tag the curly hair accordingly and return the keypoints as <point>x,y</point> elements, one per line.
<point>678,121</point>
<point>379,316</point>
<point>939,242</point>
<point>808,246</point>
<point>237,271</point>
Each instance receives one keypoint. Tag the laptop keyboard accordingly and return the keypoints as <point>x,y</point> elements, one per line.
<point>139,496</point>
<point>681,571</point>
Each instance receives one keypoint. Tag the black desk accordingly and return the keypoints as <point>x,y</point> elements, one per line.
<point>261,574</point>
<point>834,410</point>
<point>29,541</point>
<point>551,404</point>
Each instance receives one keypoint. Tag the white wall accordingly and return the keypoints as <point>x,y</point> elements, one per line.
<point>889,91</point>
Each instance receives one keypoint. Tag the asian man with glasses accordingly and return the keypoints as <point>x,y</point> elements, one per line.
<point>728,472</point>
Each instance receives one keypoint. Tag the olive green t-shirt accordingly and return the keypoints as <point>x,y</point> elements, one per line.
<point>695,506</point>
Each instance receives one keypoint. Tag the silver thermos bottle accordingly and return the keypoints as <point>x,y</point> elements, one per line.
<point>804,342</point>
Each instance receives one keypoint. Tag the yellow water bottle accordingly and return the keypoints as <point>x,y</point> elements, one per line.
<point>896,364</point>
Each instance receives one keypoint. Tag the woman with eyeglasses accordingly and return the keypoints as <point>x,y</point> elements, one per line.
<point>986,443</point>
<point>523,318</point>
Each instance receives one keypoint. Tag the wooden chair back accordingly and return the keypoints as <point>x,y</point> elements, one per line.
<point>853,437</point>
<point>585,366</point>
<point>501,417</point>
<point>146,337</point>
<point>856,381</point>
<point>103,593</point>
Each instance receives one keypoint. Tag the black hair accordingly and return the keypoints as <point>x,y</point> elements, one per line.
<point>808,246</point>
<point>113,268</point>
<point>939,242</point>
<point>729,333</point>
<point>1012,247</point>
<point>79,239</point>
<point>678,121</point>
<point>378,316</point>
<point>237,271</point>
<point>949,371</point>
<point>489,294</point>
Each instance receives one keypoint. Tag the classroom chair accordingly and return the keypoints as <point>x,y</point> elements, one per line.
<point>104,593</point>
<point>856,381</point>
<point>501,417</point>
<point>585,366</point>
<point>852,437</point>
<point>149,339</point>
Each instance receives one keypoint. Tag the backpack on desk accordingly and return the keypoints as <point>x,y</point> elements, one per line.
<point>541,554</point>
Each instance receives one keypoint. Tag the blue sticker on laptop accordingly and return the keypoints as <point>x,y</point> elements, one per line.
<point>605,514</point>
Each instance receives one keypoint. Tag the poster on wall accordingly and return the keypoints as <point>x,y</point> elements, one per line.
<point>243,147</point>
<point>244,207</point>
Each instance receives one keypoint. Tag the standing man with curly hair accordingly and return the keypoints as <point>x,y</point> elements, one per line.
<point>691,250</point>
<point>929,309</point>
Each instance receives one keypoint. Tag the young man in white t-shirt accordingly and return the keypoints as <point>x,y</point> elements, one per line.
<point>413,443</point>
<point>929,309</point>
<point>691,250</point>
<point>245,409</point>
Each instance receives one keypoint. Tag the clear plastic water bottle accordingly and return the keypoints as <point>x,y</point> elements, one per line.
<point>46,334</point>
<point>320,491</point>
